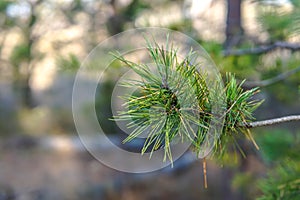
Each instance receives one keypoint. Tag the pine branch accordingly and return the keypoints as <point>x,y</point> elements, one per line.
<point>272,121</point>
<point>264,83</point>
<point>263,49</point>
<point>170,121</point>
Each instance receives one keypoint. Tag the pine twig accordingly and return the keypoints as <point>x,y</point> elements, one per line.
<point>272,121</point>
<point>263,49</point>
<point>204,173</point>
<point>263,83</point>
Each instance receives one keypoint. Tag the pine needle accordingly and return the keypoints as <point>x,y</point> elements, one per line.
<point>176,102</point>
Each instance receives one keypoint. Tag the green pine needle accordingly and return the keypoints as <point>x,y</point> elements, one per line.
<point>282,183</point>
<point>175,104</point>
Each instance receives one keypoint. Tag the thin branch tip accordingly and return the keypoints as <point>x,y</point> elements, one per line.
<point>263,49</point>
<point>272,121</point>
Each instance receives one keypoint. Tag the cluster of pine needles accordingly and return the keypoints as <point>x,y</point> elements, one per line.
<point>172,104</point>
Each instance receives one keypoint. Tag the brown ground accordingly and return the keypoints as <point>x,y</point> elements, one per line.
<point>31,172</point>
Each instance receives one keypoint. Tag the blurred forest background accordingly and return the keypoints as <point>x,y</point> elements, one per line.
<point>42,44</point>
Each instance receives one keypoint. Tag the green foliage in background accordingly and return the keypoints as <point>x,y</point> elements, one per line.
<point>280,23</point>
<point>68,64</point>
<point>241,182</point>
<point>242,66</point>
<point>134,8</point>
<point>283,182</point>
<point>274,147</point>
<point>4,4</point>
<point>20,54</point>
<point>280,149</point>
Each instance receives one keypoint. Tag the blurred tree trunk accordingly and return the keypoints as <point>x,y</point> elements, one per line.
<point>28,100</point>
<point>234,29</point>
<point>26,60</point>
<point>115,23</point>
<point>26,91</point>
